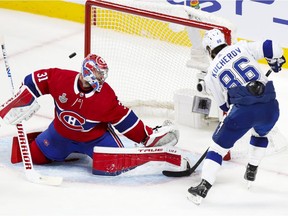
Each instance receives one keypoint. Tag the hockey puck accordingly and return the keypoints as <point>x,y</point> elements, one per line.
<point>72,55</point>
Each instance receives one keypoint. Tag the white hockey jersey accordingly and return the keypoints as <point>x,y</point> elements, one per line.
<point>237,65</point>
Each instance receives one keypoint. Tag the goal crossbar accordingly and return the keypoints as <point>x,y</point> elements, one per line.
<point>147,14</point>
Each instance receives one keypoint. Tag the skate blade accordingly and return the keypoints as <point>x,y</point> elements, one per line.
<point>249,183</point>
<point>195,199</point>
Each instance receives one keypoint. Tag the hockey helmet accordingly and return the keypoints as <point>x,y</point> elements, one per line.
<point>94,71</point>
<point>212,39</point>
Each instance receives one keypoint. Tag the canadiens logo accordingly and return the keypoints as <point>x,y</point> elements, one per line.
<point>72,120</point>
<point>62,98</point>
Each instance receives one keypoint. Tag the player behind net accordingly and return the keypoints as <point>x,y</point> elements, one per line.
<point>241,88</point>
<point>87,112</point>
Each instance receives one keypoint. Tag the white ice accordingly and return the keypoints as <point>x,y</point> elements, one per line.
<point>35,42</point>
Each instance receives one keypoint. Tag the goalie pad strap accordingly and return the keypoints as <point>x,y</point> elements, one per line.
<point>114,161</point>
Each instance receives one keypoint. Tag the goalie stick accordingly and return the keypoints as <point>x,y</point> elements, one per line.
<point>30,172</point>
<point>192,169</point>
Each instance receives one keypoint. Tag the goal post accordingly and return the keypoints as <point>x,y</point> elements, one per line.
<point>146,47</point>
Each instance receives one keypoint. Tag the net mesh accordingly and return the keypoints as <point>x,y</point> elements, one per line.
<point>146,56</point>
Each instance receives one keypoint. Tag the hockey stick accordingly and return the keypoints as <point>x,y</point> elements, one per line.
<point>190,170</point>
<point>268,72</point>
<point>186,172</point>
<point>30,172</point>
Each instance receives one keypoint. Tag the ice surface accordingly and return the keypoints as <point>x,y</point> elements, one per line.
<point>35,42</point>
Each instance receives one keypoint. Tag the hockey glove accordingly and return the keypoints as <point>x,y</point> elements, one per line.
<point>276,63</point>
<point>20,107</point>
<point>224,107</point>
<point>167,134</point>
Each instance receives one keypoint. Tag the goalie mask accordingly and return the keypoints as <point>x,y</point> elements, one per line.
<point>212,39</point>
<point>94,71</point>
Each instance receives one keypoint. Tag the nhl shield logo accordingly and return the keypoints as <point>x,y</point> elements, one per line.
<point>63,98</point>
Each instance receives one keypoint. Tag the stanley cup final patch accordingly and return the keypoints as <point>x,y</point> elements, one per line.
<point>63,98</point>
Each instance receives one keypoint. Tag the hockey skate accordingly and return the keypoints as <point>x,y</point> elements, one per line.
<point>199,192</point>
<point>250,174</point>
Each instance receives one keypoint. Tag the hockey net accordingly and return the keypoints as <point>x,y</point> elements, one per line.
<point>148,48</point>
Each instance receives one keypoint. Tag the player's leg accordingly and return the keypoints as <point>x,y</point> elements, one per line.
<point>54,146</point>
<point>265,120</point>
<point>224,137</point>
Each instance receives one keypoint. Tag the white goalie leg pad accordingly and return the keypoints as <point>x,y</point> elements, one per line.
<point>187,160</point>
<point>167,134</point>
<point>114,161</point>
<point>20,107</point>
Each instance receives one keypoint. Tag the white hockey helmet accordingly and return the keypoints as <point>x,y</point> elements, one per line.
<point>212,39</point>
<point>95,71</point>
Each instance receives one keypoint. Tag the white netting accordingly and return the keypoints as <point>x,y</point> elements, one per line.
<point>146,57</point>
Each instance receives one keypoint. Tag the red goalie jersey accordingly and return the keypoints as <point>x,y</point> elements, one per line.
<point>86,108</point>
<point>84,116</point>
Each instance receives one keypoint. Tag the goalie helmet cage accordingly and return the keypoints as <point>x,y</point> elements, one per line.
<point>146,46</point>
<point>146,49</point>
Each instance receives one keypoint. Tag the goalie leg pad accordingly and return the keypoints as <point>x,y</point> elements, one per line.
<point>114,161</point>
<point>21,107</point>
<point>37,156</point>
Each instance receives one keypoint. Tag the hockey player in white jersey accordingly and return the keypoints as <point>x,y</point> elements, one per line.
<point>243,91</point>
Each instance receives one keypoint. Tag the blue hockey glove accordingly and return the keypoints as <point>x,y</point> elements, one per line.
<point>276,63</point>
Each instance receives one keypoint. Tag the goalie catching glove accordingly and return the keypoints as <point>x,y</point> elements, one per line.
<point>167,134</point>
<point>20,107</point>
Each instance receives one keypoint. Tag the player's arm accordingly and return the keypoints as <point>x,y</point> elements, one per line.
<point>128,124</point>
<point>38,81</point>
<point>274,55</point>
<point>269,50</point>
<point>23,104</point>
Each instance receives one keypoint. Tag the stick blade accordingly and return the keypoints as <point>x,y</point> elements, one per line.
<point>177,173</point>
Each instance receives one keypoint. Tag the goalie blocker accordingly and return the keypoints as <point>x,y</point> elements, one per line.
<point>20,107</point>
<point>114,161</point>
